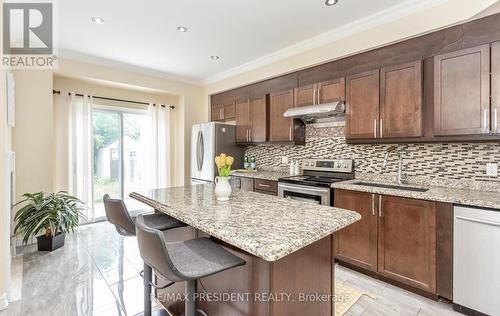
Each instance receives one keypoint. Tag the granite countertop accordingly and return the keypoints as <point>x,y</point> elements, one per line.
<point>486,199</point>
<point>265,226</point>
<point>261,174</point>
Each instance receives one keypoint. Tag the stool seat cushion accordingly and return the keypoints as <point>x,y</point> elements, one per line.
<point>161,221</point>
<point>200,257</point>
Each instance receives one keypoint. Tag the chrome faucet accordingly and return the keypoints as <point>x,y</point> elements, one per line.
<point>401,177</point>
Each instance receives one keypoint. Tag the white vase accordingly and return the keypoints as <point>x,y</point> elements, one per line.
<point>222,188</point>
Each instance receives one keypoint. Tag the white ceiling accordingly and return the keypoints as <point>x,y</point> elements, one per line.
<point>142,34</point>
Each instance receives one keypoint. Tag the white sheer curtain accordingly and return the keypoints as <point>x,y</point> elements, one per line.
<point>160,122</point>
<point>73,151</point>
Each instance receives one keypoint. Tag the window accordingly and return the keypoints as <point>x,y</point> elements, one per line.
<point>122,150</point>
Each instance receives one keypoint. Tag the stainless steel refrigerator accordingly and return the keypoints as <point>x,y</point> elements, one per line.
<point>207,141</point>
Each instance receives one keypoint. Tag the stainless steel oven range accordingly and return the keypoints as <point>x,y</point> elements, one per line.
<point>314,185</point>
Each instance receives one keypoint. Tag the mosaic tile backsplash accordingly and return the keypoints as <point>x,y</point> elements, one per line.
<point>453,164</point>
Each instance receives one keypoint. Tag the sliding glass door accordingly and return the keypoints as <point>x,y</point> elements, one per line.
<point>122,150</point>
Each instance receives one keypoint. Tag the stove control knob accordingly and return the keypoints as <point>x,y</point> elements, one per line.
<point>339,165</point>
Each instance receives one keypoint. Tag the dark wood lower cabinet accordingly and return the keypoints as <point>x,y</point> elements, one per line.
<point>357,243</point>
<point>306,271</point>
<point>401,240</point>
<point>407,241</point>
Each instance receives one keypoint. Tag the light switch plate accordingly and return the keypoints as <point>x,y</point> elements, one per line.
<point>284,159</point>
<point>492,169</point>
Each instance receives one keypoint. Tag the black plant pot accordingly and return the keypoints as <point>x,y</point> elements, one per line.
<point>50,243</point>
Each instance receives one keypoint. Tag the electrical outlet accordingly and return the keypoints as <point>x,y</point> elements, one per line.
<point>492,169</point>
<point>284,159</point>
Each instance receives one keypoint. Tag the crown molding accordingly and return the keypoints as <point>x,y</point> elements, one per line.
<point>396,12</point>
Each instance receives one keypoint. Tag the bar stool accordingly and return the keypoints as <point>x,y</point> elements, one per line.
<point>184,261</point>
<point>118,215</point>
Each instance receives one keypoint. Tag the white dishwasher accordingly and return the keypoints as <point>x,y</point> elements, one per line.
<point>476,259</point>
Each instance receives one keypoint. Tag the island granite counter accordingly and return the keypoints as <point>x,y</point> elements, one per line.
<point>288,247</point>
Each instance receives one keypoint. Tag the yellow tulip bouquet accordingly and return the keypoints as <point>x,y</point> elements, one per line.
<point>224,164</point>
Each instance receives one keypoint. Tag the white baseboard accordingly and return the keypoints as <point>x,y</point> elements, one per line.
<point>4,303</point>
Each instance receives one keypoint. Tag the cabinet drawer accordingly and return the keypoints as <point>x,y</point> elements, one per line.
<point>266,185</point>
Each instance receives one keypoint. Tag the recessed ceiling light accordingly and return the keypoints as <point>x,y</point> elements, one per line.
<point>331,2</point>
<point>215,57</point>
<point>97,20</point>
<point>182,29</point>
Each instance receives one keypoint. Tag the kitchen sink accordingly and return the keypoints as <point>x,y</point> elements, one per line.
<point>390,186</point>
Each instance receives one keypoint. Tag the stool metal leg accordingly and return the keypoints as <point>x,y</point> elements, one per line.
<point>148,277</point>
<point>190,304</point>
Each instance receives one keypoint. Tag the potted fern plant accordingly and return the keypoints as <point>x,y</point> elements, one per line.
<point>54,214</point>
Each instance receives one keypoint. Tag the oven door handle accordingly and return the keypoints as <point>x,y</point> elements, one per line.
<point>303,188</point>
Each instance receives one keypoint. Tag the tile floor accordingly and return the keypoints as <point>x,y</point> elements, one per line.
<point>97,273</point>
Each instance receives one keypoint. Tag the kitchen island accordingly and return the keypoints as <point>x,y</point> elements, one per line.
<point>287,246</point>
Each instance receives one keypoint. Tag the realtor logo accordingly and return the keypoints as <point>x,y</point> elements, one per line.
<point>28,35</point>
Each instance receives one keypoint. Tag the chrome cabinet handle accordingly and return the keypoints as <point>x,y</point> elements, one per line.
<point>314,96</point>
<point>380,205</point>
<point>373,204</point>
<point>477,220</point>
<point>249,134</point>
<point>375,128</point>
<point>290,132</point>
<point>264,185</point>
<point>319,102</point>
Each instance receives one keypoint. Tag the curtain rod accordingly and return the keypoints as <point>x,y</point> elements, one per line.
<point>113,99</point>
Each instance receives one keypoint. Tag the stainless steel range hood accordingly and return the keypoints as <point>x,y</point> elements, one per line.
<point>328,112</point>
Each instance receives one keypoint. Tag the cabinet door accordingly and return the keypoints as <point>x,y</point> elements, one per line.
<point>259,127</point>
<point>495,88</point>
<point>357,243</point>
<point>305,95</point>
<point>229,111</point>
<point>407,241</point>
<point>461,92</point>
<point>242,121</point>
<point>331,91</point>
<point>363,97</point>
<point>401,100</point>
<point>217,112</point>
<point>281,128</point>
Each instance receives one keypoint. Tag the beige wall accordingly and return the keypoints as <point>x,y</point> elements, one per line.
<point>445,14</point>
<point>32,137</point>
<point>5,144</point>
<point>192,103</point>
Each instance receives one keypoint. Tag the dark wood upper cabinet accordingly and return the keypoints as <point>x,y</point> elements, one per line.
<point>229,111</point>
<point>243,121</point>
<point>363,98</point>
<point>495,88</point>
<point>401,101</point>
<point>281,129</point>
<point>223,111</point>
<point>357,243</point>
<point>331,91</point>
<point>305,95</point>
<point>462,92</point>
<point>319,93</point>
<point>407,241</point>
<point>217,112</point>
<point>259,127</point>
